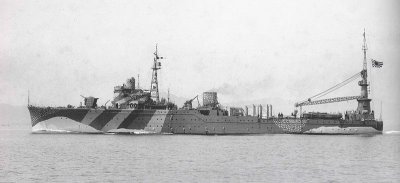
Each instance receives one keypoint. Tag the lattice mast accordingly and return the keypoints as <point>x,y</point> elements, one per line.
<point>154,81</point>
<point>364,101</point>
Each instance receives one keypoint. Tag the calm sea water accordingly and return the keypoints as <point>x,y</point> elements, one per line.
<point>27,157</point>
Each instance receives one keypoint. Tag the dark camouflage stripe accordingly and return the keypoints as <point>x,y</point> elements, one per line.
<point>76,116</point>
<point>131,122</point>
<point>104,118</point>
<point>39,114</point>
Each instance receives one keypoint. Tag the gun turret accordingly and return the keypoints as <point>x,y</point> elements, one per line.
<point>90,102</point>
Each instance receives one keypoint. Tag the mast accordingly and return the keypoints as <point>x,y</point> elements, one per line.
<point>168,97</point>
<point>364,102</point>
<point>365,48</point>
<point>154,81</point>
<point>380,114</point>
<point>28,99</point>
<point>138,86</point>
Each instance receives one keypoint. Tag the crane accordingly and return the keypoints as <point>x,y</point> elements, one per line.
<point>188,103</point>
<point>363,100</point>
<point>325,101</point>
<point>311,101</point>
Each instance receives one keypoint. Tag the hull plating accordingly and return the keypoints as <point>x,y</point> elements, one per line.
<point>182,122</point>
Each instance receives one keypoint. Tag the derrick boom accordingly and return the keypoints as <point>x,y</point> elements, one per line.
<point>329,100</point>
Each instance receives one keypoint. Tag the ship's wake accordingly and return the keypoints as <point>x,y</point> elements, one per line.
<point>50,131</point>
<point>124,131</point>
<point>55,131</point>
<point>392,132</point>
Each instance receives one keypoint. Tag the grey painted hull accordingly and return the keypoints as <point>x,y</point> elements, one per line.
<point>184,122</point>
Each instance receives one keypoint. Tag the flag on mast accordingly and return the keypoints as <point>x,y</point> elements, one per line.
<point>376,63</point>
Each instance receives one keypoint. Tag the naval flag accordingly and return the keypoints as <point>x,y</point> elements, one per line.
<point>376,63</point>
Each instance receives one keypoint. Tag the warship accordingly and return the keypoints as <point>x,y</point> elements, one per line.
<point>140,111</point>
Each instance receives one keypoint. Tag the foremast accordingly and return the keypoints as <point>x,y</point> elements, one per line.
<point>154,94</point>
<point>364,102</point>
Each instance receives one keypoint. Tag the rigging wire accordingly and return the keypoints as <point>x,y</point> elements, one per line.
<point>337,86</point>
<point>344,84</point>
<point>370,89</point>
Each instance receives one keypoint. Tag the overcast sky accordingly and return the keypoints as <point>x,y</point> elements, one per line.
<point>277,52</point>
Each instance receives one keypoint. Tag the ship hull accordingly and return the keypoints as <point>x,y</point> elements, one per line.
<point>83,120</point>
